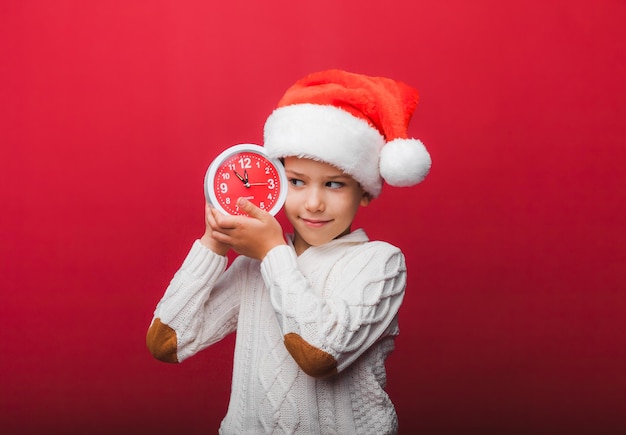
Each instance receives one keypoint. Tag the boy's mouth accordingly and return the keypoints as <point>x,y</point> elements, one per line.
<point>315,223</point>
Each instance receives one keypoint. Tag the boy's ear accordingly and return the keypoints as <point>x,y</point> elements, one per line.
<point>365,199</point>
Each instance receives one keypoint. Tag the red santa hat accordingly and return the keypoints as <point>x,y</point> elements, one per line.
<point>355,122</point>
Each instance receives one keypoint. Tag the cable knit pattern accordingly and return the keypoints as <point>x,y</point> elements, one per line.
<point>341,298</point>
<point>187,295</point>
<point>352,311</point>
<point>277,377</point>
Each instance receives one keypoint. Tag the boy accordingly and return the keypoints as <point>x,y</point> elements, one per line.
<point>316,312</point>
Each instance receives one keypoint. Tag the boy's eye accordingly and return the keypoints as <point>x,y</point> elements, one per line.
<point>296,182</point>
<point>335,184</point>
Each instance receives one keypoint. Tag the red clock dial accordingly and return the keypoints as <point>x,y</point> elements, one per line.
<point>245,171</point>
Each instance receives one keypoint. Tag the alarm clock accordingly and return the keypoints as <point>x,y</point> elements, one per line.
<point>246,171</point>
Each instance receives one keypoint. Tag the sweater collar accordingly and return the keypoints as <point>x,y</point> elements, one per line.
<point>355,237</point>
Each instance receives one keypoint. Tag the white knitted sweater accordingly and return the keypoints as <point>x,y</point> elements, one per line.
<point>342,297</point>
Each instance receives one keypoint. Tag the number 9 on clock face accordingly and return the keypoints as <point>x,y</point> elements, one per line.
<point>246,171</point>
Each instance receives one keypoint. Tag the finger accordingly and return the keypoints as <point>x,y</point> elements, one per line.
<point>250,209</point>
<point>222,221</point>
<point>210,216</point>
<point>207,211</point>
<point>221,237</point>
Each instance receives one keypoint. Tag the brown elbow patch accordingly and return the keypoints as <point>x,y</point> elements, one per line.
<point>313,361</point>
<point>161,341</point>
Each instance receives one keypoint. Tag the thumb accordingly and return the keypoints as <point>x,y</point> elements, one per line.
<point>250,209</point>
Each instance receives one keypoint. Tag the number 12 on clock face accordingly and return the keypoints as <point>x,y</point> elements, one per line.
<point>246,171</point>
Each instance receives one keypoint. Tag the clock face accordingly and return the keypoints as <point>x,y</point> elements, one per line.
<point>245,171</point>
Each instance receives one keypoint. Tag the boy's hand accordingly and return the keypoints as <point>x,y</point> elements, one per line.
<point>207,239</point>
<point>253,235</point>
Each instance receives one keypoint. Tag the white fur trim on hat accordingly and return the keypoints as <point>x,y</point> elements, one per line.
<point>404,162</point>
<point>329,134</point>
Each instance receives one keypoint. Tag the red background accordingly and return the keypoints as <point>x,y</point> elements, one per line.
<point>111,111</point>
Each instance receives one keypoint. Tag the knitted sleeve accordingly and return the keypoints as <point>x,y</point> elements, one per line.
<point>326,333</point>
<point>197,309</point>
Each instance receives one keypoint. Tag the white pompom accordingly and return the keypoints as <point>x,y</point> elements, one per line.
<point>404,162</point>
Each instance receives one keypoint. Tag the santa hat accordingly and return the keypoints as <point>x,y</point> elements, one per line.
<point>354,122</point>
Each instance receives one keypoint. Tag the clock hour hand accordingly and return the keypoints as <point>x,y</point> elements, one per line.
<point>242,179</point>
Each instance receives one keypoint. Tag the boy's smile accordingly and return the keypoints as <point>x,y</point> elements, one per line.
<point>321,203</point>
<point>314,222</point>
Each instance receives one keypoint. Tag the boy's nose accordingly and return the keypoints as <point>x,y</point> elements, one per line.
<point>314,201</point>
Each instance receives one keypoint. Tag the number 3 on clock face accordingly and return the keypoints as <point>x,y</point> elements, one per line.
<point>246,171</point>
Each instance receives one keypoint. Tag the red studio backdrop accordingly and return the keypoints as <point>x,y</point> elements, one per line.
<point>112,110</point>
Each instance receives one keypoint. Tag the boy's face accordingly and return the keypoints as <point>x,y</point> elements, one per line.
<point>321,202</point>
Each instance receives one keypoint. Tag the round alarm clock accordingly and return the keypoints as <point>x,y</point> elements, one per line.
<point>246,171</point>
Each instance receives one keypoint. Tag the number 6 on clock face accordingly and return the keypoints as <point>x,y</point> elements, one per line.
<point>246,171</point>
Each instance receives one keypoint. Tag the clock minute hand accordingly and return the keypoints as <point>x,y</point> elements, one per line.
<point>243,180</point>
